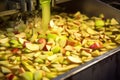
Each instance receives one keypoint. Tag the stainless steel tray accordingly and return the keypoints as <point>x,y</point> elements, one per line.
<point>104,67</point>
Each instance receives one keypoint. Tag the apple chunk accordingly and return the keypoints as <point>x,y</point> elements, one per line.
<point>62,41</point>
<point>32,47</point>
<point>96,45</point>
<point>74,59</point>
<point>42,42</point>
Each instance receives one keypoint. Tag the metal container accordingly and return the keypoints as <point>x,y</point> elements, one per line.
<point>106,66</point>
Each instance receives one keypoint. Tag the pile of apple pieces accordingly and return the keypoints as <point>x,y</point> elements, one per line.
<point>72,39</point>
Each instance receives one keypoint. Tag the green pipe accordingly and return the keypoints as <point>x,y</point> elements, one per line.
<point>45,5</point>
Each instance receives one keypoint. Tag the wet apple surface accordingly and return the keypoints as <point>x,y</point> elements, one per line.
<point>71,40</point>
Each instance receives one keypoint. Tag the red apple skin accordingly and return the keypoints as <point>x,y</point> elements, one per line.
<point>10,76</point>
<point>16,32</point>
<point>72,43</point>
<point>21,70</point>
<point>87,50</point>
<point>42,41</point>
<point>45,48</point>
<point>96,45</point>
<point>14,50</point>
<point>24,44</point>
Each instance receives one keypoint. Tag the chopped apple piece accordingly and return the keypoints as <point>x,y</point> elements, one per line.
<point>52,57</point>
<point>113,22</point>
<point>21,35</point>
<point>42,41</point>
<point>91,31</point>
<point>96,45</point>
<point>10,76</point>
<point>69,48</point>
<point>38,75</point>
<point>56,49</point>
<point>52,36</point>
<point>4,40</point>
<point>26,75</point>
<point>32,47</point>
<point>21,40</point>
<point>5,70</point>
<point>62,41</point>
<point>99,23</point>
<point>84,53</point>
<point>74,59</point>
<point>51,75</point>
<point>14,50</point>
<point>48,47</point>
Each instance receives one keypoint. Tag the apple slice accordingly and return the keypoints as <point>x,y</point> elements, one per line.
<point>96,45</point>
<point>21,40</point>
<point>99,23</point>
<point>26,75</point>
<point>56,49</point>
<point>91,31</point>
<point>32,47</point>
<point>62,41</point>
<point>52,36</point>
<point>21,35</point>
<point>10,76</point>
<point>52,57</point>
<point>4,40</point>
<point>69,48</point>
<point>86,54</point>
<point>42,42</point>
<point>74,59</point>
<point>48,47</point>
<point>38,75</point>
